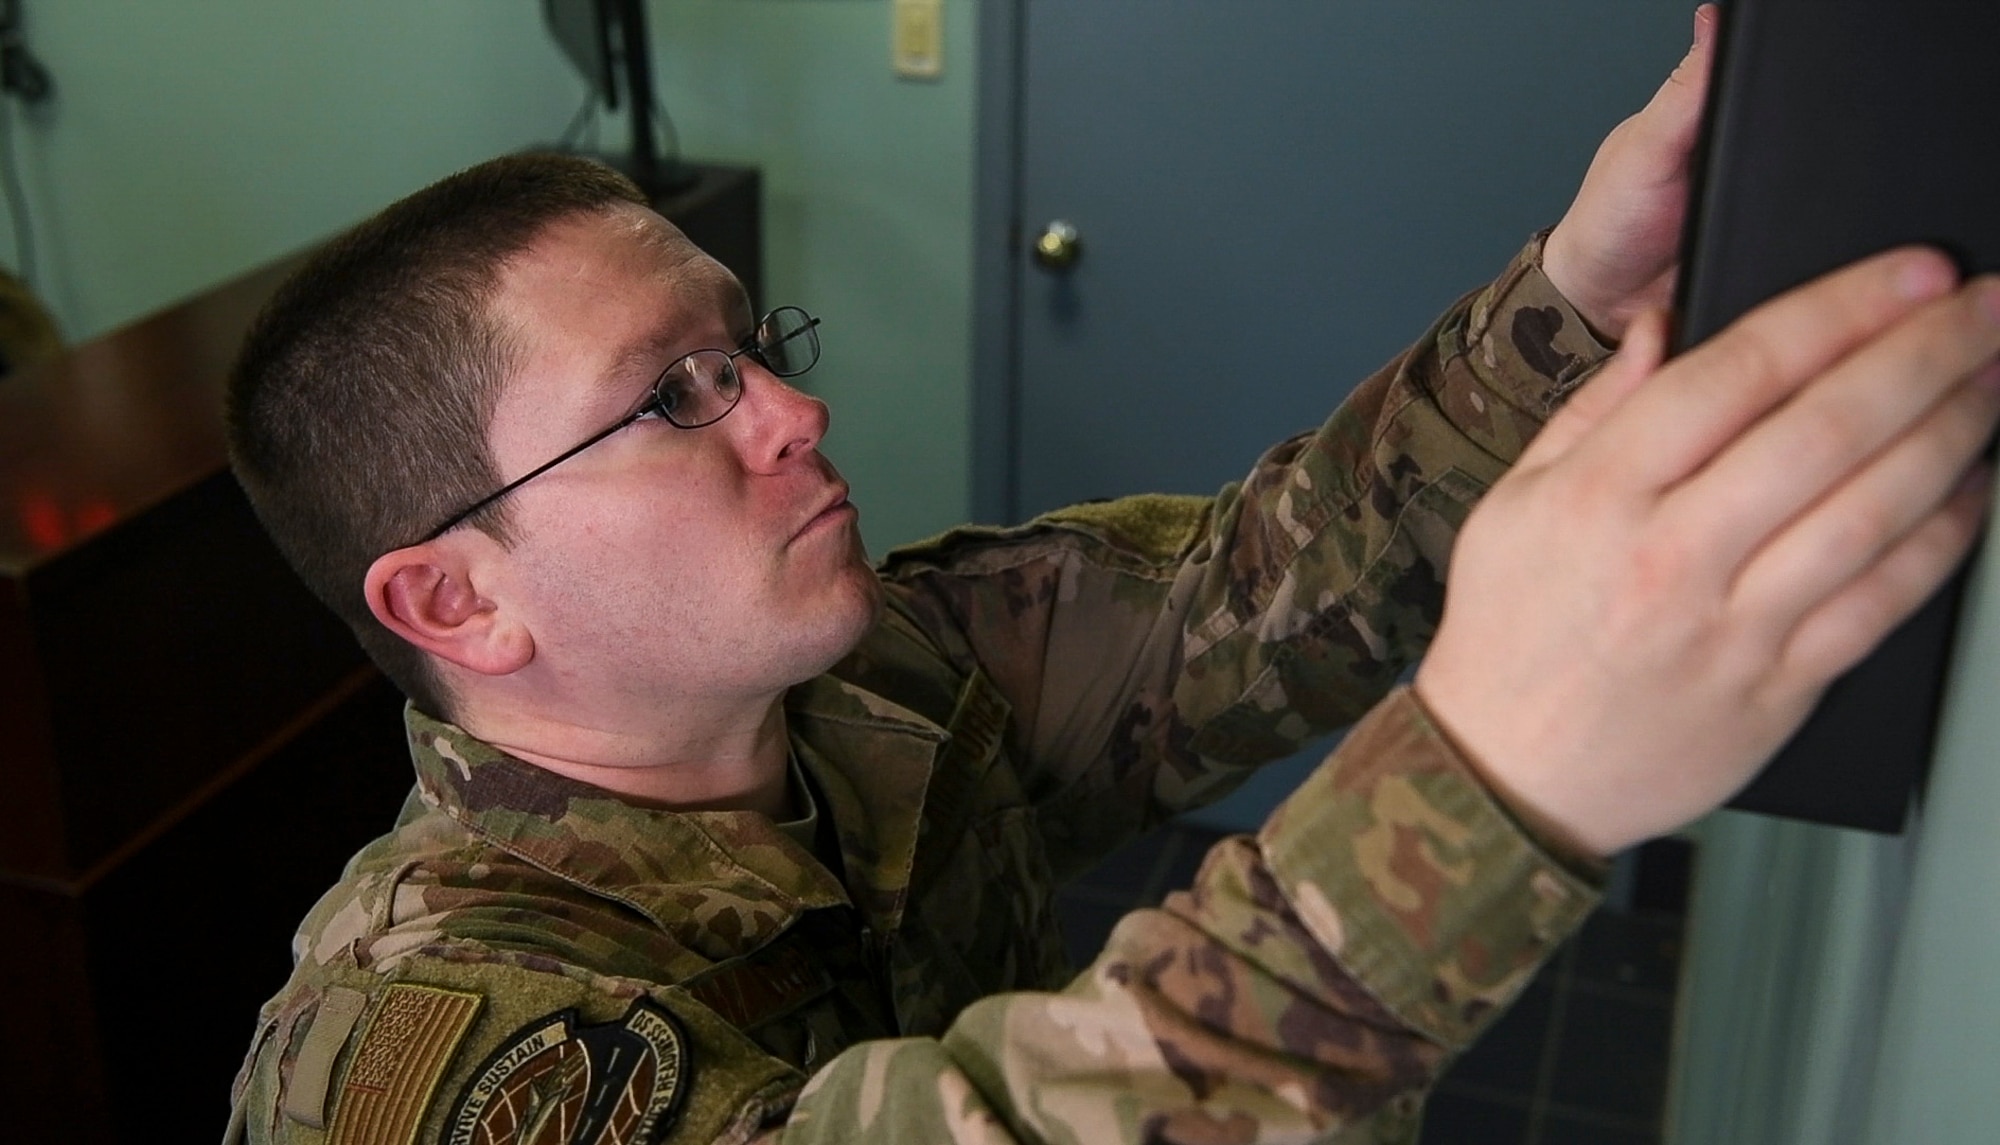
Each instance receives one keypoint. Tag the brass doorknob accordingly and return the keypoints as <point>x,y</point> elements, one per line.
<point>1059,246</point>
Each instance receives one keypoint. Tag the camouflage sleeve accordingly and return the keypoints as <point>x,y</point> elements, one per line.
<point>1310,984</point>
<point>1155,649</point>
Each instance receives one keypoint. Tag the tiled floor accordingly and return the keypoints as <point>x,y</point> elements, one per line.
<point>1580,1059</point>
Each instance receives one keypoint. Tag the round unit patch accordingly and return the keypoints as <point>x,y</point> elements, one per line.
<point>553,1083</point>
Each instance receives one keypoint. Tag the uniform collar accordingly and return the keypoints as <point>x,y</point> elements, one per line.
<point>682,870</point>
<point>871,758</point>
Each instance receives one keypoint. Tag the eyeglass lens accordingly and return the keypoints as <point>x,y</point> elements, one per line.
<point>700,388</point>
<point>787,342</point>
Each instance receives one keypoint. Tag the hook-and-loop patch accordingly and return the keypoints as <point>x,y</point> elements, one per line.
<point>556,1083</point>
<point>396,1069</point>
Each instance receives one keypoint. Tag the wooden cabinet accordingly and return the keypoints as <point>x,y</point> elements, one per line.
<point>190,745</point>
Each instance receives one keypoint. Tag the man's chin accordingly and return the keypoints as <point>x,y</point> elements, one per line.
<point>869,612</point>
<point>850,621</point>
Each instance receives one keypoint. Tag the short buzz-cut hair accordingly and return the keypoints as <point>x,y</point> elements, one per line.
<point>358,408</point>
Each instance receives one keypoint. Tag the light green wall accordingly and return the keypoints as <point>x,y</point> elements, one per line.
<point>868,201</point>
<point>191,140</point>
<point>1934,1081</point>
<point>194,139</point>
<point>1791,938</point>
<point>1840,987</point>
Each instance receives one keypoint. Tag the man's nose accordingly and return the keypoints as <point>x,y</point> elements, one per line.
<point>774,423</point>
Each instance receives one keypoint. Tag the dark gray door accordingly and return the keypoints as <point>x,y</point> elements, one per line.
<point>1272,198</point>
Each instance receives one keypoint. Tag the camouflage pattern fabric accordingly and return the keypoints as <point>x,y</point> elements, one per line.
<point>1032,698</point>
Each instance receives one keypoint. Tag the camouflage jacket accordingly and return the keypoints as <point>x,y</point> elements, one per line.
<point>526,958</point>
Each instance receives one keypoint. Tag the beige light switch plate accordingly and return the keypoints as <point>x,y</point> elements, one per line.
<point>918,39</point>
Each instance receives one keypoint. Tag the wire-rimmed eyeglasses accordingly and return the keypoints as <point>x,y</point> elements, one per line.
<point>694,390</point>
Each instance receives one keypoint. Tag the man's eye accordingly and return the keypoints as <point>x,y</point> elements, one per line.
<point>669,397</point>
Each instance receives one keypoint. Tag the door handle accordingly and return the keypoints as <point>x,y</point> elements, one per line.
<point>1059,246</point>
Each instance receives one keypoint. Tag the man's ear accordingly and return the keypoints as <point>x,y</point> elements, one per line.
<point>427,594</point>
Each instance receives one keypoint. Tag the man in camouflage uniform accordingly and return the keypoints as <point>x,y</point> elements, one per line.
<point>721,835</point>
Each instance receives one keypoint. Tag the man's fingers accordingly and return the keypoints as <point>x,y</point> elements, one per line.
<point>1692,74</point>
<point>1794,457</point>
<point>1848,530</point>
<point>1836,635</point>
<point>1645,347</point>
<point>1667,431</point>
<point>1673,115</point>
<point>1614,253</point>
<point>1675,108</point>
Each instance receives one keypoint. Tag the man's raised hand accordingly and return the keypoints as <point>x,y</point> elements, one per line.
<point>1614,255</point>
<point>1650,603</point>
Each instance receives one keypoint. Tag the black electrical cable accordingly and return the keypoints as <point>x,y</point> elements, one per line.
<point>17,199</point>
<point>585,117</point>
<point>665,126</point>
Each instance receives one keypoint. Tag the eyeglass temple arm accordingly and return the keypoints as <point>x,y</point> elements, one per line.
<point>517,482</point>
<point>456,519</point>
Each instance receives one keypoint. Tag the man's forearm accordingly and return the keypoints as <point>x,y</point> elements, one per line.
<point>1312,981</point>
